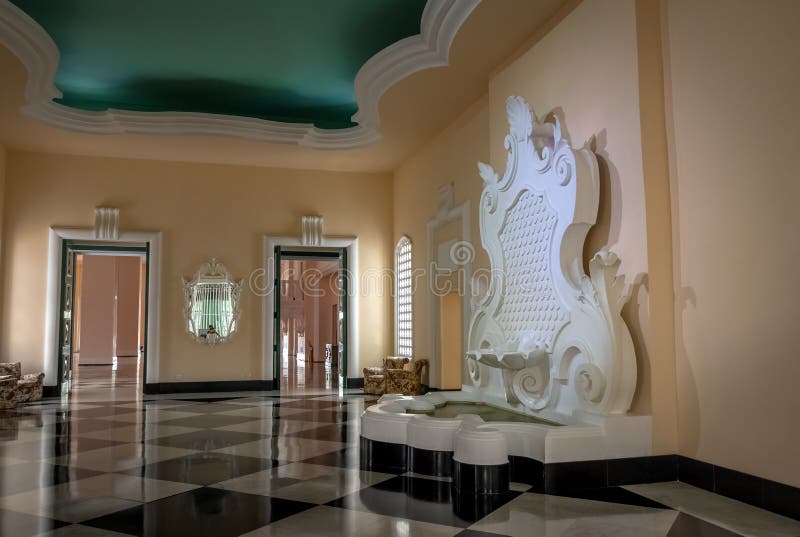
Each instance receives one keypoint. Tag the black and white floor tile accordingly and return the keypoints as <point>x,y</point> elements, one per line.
<point>259,464</point>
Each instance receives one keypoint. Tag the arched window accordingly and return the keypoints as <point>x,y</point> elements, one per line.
<point>403,299</point>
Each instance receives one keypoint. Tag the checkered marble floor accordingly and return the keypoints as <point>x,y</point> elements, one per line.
<point>262,464</point>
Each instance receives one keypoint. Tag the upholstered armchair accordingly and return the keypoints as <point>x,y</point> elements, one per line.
<point>25,388</point>
<point>407,379</point>
<point>375,377</point>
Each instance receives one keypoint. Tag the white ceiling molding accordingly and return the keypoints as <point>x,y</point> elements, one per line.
<point>441,20</point>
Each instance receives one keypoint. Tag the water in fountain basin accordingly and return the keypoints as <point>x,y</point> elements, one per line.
<point>486,412</point>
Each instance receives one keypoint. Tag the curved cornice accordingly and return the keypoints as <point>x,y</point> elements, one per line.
<point>441,20</point>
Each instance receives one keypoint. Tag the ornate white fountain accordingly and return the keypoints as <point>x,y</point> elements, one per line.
<point>544,325</point>
<point>546,339</point>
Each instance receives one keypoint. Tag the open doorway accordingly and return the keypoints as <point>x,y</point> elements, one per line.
<point>104,331</point>
<point>312,324</point>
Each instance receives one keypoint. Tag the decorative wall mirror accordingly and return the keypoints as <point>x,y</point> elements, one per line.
<point>212,303</point>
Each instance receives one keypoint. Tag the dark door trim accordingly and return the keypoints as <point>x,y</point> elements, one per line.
<point>72,248</point>
<point>294,252</point>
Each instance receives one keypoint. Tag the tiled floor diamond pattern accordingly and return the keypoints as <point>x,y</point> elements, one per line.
<point>261,465</point>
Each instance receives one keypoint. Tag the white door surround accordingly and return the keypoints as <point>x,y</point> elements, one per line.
<point>56,239</point>
<point>268,303</point>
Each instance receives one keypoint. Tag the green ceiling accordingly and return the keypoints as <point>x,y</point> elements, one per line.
<point>283,60</point>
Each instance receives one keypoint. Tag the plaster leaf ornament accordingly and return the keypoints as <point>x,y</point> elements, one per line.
<point>544,326</point>
<point>520,118</point>
<point>587,292</point>
<point>557,133</point>
<point>487,173</point>
<point>490,182</point>
<point>603,270</point>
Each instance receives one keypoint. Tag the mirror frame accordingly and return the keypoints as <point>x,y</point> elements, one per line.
<point>211,269</point>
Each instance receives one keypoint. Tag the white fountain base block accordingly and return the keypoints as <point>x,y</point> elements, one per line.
<point>554,438</point>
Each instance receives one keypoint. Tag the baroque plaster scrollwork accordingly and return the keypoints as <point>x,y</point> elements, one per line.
<point>544,326</point>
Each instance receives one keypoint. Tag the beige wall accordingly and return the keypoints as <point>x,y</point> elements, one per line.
<point>2,182</point>
<point>451,352</point>
<point>2,206</point>
<point>734,78</point>
<point>203,211</point>
<point>450,157</point>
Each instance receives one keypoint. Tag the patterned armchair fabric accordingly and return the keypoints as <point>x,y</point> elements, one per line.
<point>25,388</point>
<point>408,379</point>
<point>395,362</point>
<point>374,380</point>
<point>8,369</point>
<point>30,387</point>
<point>8,391</point>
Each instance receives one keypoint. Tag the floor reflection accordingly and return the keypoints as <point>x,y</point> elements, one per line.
<point>299,374</point>
<point>262,463</point>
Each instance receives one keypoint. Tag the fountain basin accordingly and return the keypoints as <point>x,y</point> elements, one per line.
<point>484,443</point>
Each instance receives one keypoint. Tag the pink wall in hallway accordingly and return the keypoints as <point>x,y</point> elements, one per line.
<point>104,318</point>
<point>128,305</point>
<point>97,310</point>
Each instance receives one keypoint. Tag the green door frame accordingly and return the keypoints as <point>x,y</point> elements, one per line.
<point>73,248</point>
<point>294,252</point>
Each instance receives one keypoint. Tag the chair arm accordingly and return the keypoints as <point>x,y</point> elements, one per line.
<point>32,378</point>
<point>11,368</point>
<point>8,380</point>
